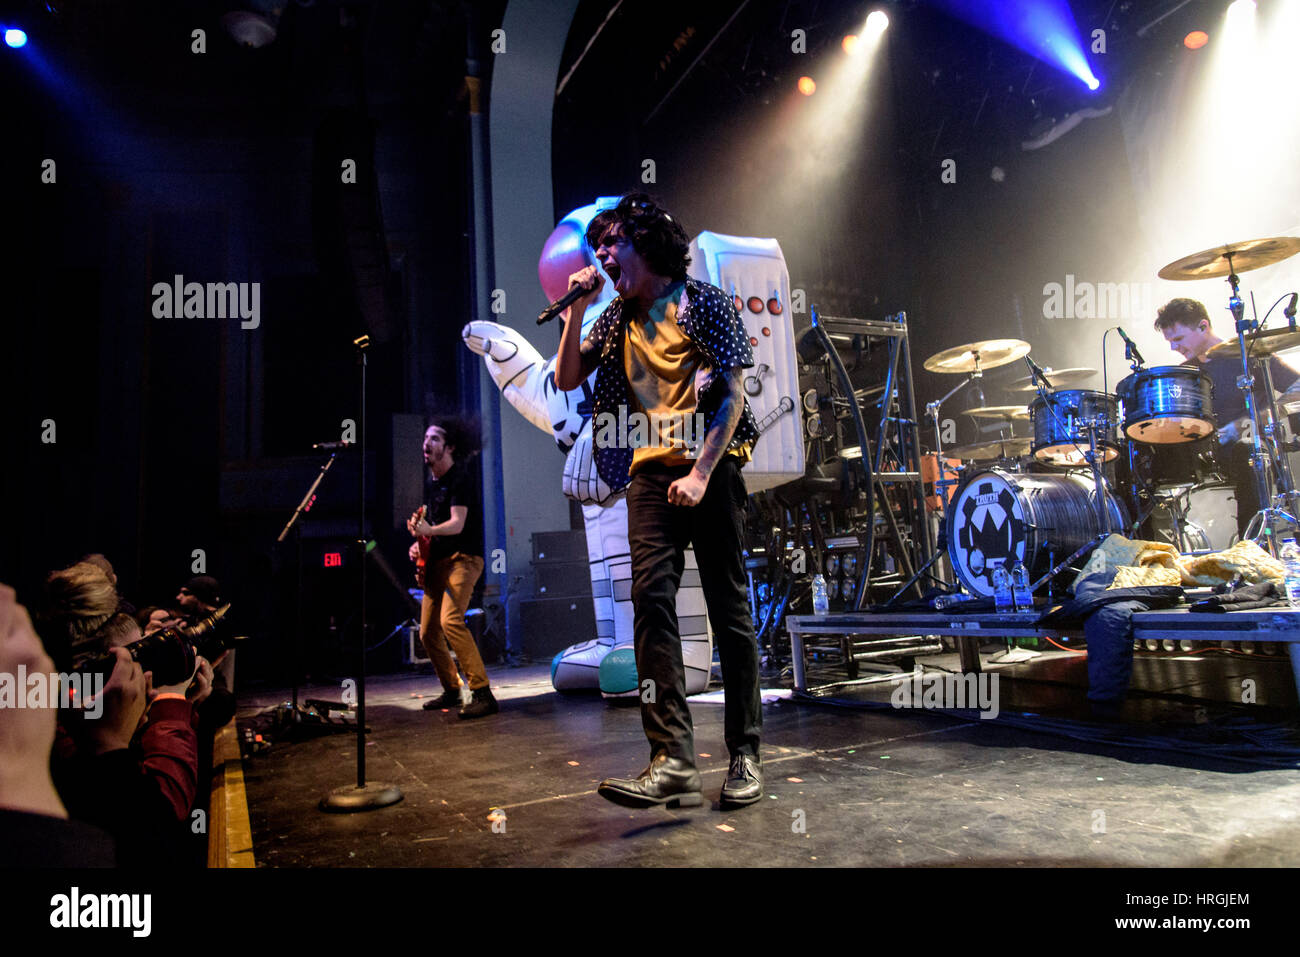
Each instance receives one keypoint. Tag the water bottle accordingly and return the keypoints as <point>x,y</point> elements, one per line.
<point>821,604</point>
<point>1291,562</point>
<point>1020,587</point>
<point>1002,599</point>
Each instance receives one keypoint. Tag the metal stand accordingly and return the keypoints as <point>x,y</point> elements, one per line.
<point>290,718</point>
<point>1269,518</point>
<point>364,796</point>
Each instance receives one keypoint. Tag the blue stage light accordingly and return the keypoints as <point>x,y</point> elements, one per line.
<point>15,38</point>
<point>1042,28</point>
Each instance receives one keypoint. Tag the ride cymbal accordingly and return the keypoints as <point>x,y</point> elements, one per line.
<point>997,449</point>
<point>1267,343</point>
<point>986,354</point>
<point>1059,378</point>
<point>1009,412</point>
<point>1234,257</point>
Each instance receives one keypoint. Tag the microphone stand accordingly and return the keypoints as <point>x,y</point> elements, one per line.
<point>291,717</point>
<point>364,796</point>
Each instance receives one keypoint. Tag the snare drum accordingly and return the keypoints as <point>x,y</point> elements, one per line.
<point>1060,426</point>
<point>1167,404</point>
<point>1000,518</point>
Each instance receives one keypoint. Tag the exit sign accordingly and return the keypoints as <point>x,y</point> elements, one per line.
<point>333,559</point>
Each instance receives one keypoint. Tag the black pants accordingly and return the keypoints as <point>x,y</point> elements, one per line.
<point>1235,463</point>
<point>658,534</point>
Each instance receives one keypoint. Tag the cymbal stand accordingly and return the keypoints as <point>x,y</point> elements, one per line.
<point>1268,517</point>
<point>1091,425</point>
<point>1286,491</point>
<point>932,409</point>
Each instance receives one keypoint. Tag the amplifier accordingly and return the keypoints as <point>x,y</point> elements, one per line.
<point>552,624</point>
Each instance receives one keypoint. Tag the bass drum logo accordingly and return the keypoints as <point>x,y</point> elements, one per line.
<point>989,531</point>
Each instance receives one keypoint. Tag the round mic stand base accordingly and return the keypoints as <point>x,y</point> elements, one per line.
<point>351,799</point>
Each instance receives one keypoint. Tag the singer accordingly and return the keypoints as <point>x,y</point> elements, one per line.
<point>671,345</point>
<point>1185,325</point>
<point>449,534</point>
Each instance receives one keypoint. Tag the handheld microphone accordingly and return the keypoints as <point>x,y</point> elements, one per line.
<point>1130,347</point>
<point>564,302</point>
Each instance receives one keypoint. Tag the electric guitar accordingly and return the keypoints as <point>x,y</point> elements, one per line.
<point>422,544</point>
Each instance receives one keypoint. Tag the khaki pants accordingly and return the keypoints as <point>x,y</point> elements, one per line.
<point>448,584</point>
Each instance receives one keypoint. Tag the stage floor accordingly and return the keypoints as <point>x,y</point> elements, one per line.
<point>854,784</point>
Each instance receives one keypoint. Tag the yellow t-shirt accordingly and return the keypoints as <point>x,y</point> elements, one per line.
<point>660,362</point>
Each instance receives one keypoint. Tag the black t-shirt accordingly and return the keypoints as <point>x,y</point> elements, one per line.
<point>1229,402</point>
<point>459,486</point>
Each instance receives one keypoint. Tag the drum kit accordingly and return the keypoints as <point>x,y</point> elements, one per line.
<point>1101,462</point>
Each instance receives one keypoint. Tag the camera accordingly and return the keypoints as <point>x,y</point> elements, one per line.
<point>169,653</point>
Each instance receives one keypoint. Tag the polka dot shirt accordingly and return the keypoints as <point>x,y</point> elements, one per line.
<point>709,318</point>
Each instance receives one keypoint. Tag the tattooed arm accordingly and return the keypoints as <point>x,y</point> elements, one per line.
<point>689,489</point>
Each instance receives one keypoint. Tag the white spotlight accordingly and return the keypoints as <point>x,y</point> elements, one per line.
<point>1240,9</point>
<point>877,21</point>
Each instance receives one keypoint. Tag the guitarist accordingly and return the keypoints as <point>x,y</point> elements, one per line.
<point>449,554</point>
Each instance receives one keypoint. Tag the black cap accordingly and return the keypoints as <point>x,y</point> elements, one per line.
<point>205,589</point>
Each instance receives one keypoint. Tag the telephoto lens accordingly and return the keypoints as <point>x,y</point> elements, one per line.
<point>169,653</point>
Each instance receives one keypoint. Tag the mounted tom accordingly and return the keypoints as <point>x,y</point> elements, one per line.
<point>1167,405</point>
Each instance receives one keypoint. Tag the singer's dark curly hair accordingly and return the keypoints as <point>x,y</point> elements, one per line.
<point>461,432</point>
<point>654,234</point>
<point>1181,312</point>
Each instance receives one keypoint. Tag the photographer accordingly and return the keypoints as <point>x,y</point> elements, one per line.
<point>134,770</point>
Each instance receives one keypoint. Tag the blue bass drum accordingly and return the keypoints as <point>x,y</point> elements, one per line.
<point>1000,518</point>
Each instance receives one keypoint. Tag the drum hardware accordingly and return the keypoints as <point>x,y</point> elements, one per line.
<point>1226,261</point>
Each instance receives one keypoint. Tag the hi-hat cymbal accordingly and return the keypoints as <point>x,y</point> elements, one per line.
<point>1020,412</point>
<point>1267,343</point>
<point>997,449</point>
<point>987,354</point>
<point>1246,255</point>
<point>1059,378</point>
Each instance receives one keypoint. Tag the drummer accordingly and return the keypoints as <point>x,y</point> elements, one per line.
<point>1186,326</point>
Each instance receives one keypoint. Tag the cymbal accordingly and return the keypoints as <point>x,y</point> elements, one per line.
<point>991,353</point>
<point>1246,255</point>
<point>1267,343</point>
<point>997,449</point>
<point>1288,405</point>
<point>1000,412</point>
<point>1059,378</point>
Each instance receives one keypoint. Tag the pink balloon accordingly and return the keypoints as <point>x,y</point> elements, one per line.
<point>564,253</point>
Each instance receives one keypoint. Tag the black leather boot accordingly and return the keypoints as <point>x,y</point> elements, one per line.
<point>481,704</point>
<point>744,784</point>
<point>448,699</point>
<point>670,782</point>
